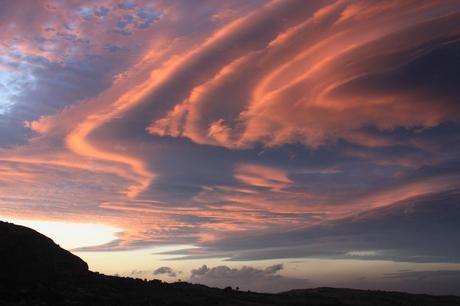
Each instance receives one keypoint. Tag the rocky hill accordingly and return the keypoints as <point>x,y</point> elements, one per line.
<point>26,255</point>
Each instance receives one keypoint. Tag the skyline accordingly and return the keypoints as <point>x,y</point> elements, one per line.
<point>285,143</point>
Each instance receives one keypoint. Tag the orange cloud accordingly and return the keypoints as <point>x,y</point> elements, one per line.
<point>255,175</point>
<point>292,83</point>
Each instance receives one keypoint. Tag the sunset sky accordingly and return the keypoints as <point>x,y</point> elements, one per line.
<point>269,145</point>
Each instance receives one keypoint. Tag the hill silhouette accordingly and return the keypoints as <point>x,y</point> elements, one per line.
<point>36,271</point>
<point>26,254</point>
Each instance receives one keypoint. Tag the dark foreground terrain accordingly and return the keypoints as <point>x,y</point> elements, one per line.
<point>36,271</point>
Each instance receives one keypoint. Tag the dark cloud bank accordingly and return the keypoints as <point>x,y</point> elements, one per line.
<point>422,229</point>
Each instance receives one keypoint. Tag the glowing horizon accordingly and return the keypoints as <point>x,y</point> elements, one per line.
<point>70,235</point>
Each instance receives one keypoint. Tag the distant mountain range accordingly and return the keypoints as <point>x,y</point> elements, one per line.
<point>36,271</point>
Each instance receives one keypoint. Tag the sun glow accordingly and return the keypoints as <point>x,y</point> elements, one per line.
<point>70,235</point>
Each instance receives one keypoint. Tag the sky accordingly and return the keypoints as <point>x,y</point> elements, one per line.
<point>269,145</point>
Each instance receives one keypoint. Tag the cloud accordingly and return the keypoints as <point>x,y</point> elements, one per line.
<point>165,270</point>
<point>261,176</point>
<point>246,278</point>
<point>422,275</point>
<point>437,281</point>
<point>316,73</point>
<point>139,273</point>
<point>420,229</point>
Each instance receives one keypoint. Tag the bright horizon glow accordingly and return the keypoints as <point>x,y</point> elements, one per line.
<point>71,235</point>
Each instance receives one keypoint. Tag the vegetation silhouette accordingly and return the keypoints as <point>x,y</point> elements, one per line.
<point>36,271</point>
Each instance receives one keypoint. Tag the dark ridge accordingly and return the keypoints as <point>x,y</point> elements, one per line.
<point>345,296</point>
<point>36,271</point>
<point>26,255</point>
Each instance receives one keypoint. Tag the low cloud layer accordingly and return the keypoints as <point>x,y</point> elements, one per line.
<point>245,278</point>
<point>437,281</point>
<point>165,271</point>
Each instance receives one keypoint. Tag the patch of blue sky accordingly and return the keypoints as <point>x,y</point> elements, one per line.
<point>148,17</point>
<point>86,12</point>
<point>12,81</point>
<point>127,5</point>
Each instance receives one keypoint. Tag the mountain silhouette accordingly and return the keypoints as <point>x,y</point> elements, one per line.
<point>36,271</point>
<point>26,254</point>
